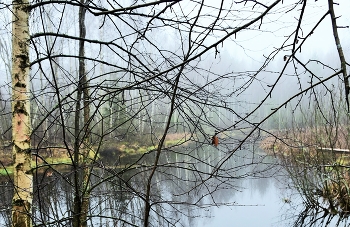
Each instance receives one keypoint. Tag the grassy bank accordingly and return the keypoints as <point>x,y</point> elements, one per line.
<point>308,139</point>
<point>319,175</point>
<point>136,147</point>
<point>108,150</point>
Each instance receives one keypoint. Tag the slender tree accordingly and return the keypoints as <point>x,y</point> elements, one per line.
<point>87,153</point>
<point>82,148</point>
<point>21,129</point>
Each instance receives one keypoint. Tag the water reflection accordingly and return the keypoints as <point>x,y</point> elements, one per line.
<point>323,186</point>
<point>254,190</point>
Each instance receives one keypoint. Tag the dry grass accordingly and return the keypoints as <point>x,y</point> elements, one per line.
<point>299,148</point>
<point>175,136</point>
<point>137,147</point>
<point>287,142</point>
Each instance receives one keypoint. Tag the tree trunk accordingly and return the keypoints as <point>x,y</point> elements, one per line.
<point>21,130</point>
<point>340,52</point>
<point>82,194</point>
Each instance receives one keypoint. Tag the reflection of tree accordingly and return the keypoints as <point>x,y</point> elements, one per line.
<point>309,151</point>
<point>117,196</point>
<point>6,190</point>
<point>323,186</point>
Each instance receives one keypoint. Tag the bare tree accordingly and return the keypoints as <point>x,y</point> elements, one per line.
<point>170,69</point>
<point>82,136</point>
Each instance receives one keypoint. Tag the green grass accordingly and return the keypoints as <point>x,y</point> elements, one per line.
<point>6,171</point>
<point>63,160</point>
<point>126,148</point>
<point>60,160</point>
<point>143,149</point>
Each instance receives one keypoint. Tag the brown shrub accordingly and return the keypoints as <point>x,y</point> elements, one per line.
<point>307,138</point>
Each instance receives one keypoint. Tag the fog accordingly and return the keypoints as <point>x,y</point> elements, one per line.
<point>150,79</point>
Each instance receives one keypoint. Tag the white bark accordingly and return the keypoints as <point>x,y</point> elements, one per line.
<point>21,130</point>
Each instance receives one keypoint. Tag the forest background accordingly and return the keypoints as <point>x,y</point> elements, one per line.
<point>98,93</point>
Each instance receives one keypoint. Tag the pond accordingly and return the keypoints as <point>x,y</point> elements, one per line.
<point>251,189</point>
<point>260,200</point>
<point>259,204</point>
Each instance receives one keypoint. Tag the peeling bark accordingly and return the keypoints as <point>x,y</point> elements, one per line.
<point>21,130</point>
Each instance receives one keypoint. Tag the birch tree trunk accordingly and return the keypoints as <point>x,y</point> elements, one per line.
<point>21,130</point>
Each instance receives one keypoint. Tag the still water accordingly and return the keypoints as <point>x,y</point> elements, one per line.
<point>258,201</point>
<point>251,189</point>
<point>257,205</point>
